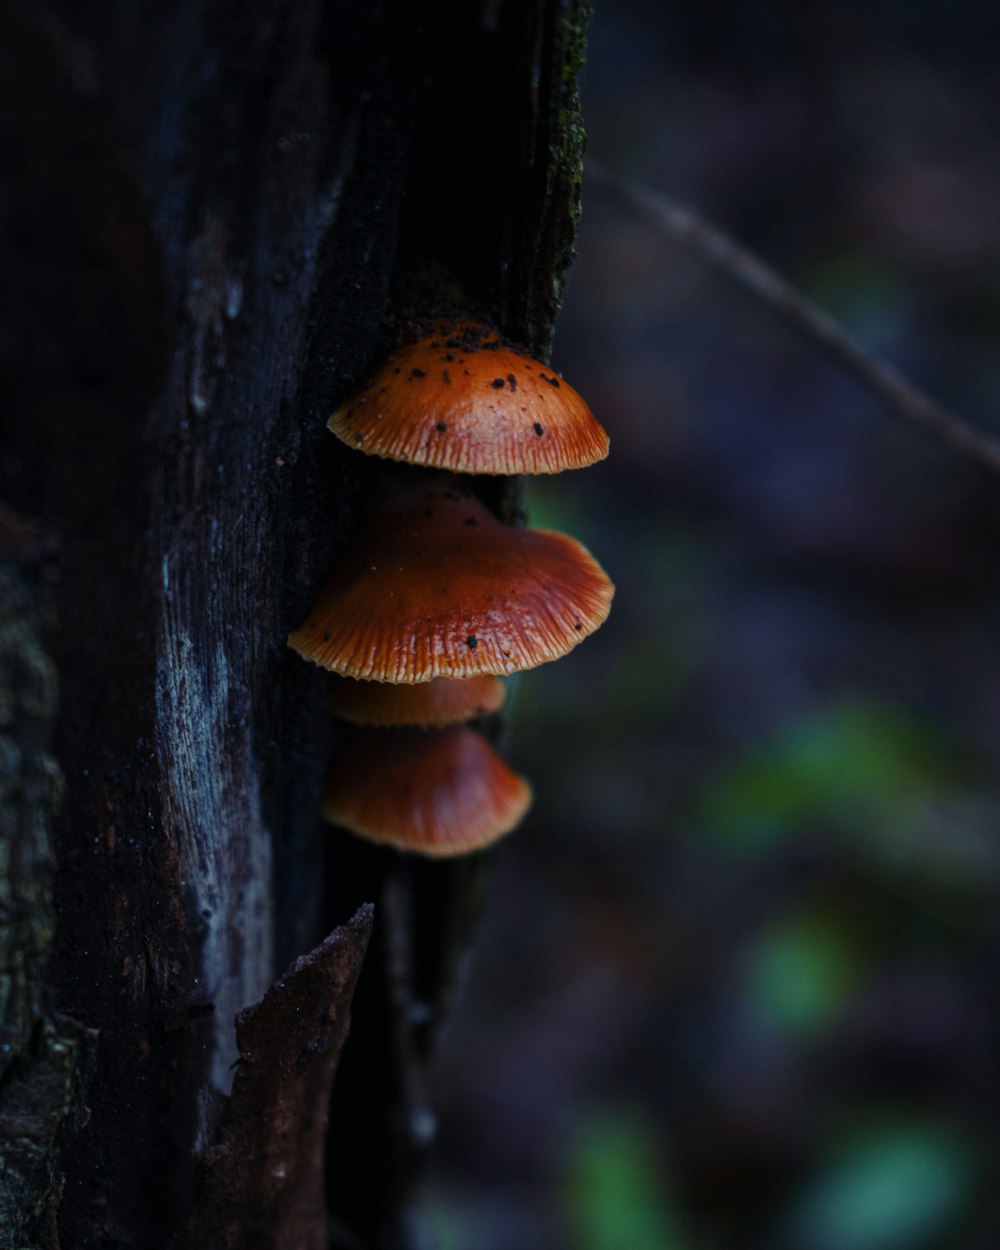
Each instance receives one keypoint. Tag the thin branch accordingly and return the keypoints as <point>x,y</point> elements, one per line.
<point>762,282</point>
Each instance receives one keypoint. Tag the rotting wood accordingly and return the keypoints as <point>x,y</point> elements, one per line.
<point>45,1060</point>
<point>212,203</point>
<point>263,1182</point>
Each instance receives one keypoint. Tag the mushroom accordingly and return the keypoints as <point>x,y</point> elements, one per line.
<point>466,400</point>
<point>441,701</point>
<point>438,792</point>
<point>438,587</point>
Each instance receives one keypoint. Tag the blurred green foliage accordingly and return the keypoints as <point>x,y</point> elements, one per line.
<point>617,1191</point>
<point>802,971</point>
<point>893,1186</point>
<point>857,768</point>
<point>441,1223</point>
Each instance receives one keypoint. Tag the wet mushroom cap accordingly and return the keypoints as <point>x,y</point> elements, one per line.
<point>438,587</point>
<point>465,401</point>
<point>438,792</point>
<point>441,701</point>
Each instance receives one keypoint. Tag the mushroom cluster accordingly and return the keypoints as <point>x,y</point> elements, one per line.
<point>438,599</point>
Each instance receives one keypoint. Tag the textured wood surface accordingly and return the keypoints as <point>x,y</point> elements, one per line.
<point>263,1174</point>
<point>211,208</point>
<point>46,1059</point>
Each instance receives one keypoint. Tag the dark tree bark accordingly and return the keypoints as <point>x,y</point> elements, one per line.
<point>211,210</point>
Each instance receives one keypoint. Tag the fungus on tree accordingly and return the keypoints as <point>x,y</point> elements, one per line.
<point>438,792</point>
<point>465,400</point>
<point>438,586</point>
<point>435,703</point>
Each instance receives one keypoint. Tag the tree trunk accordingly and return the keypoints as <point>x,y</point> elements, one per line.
<point>211,209</point>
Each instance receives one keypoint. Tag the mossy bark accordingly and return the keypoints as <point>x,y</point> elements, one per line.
<point>45,1058</point>
<point>212,209</point>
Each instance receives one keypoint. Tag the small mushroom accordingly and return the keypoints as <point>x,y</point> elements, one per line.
<point>441,701</point>
<point>438,792</point>
<point>438,587</point>
<point>466,400</point>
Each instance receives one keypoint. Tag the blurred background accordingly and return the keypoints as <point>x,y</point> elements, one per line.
<point>735,988</point>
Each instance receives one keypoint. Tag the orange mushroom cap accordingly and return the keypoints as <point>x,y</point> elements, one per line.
<point>438,587</point>
<point>437,792</point>
<point>465,401</point>
<point>441,701</point>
